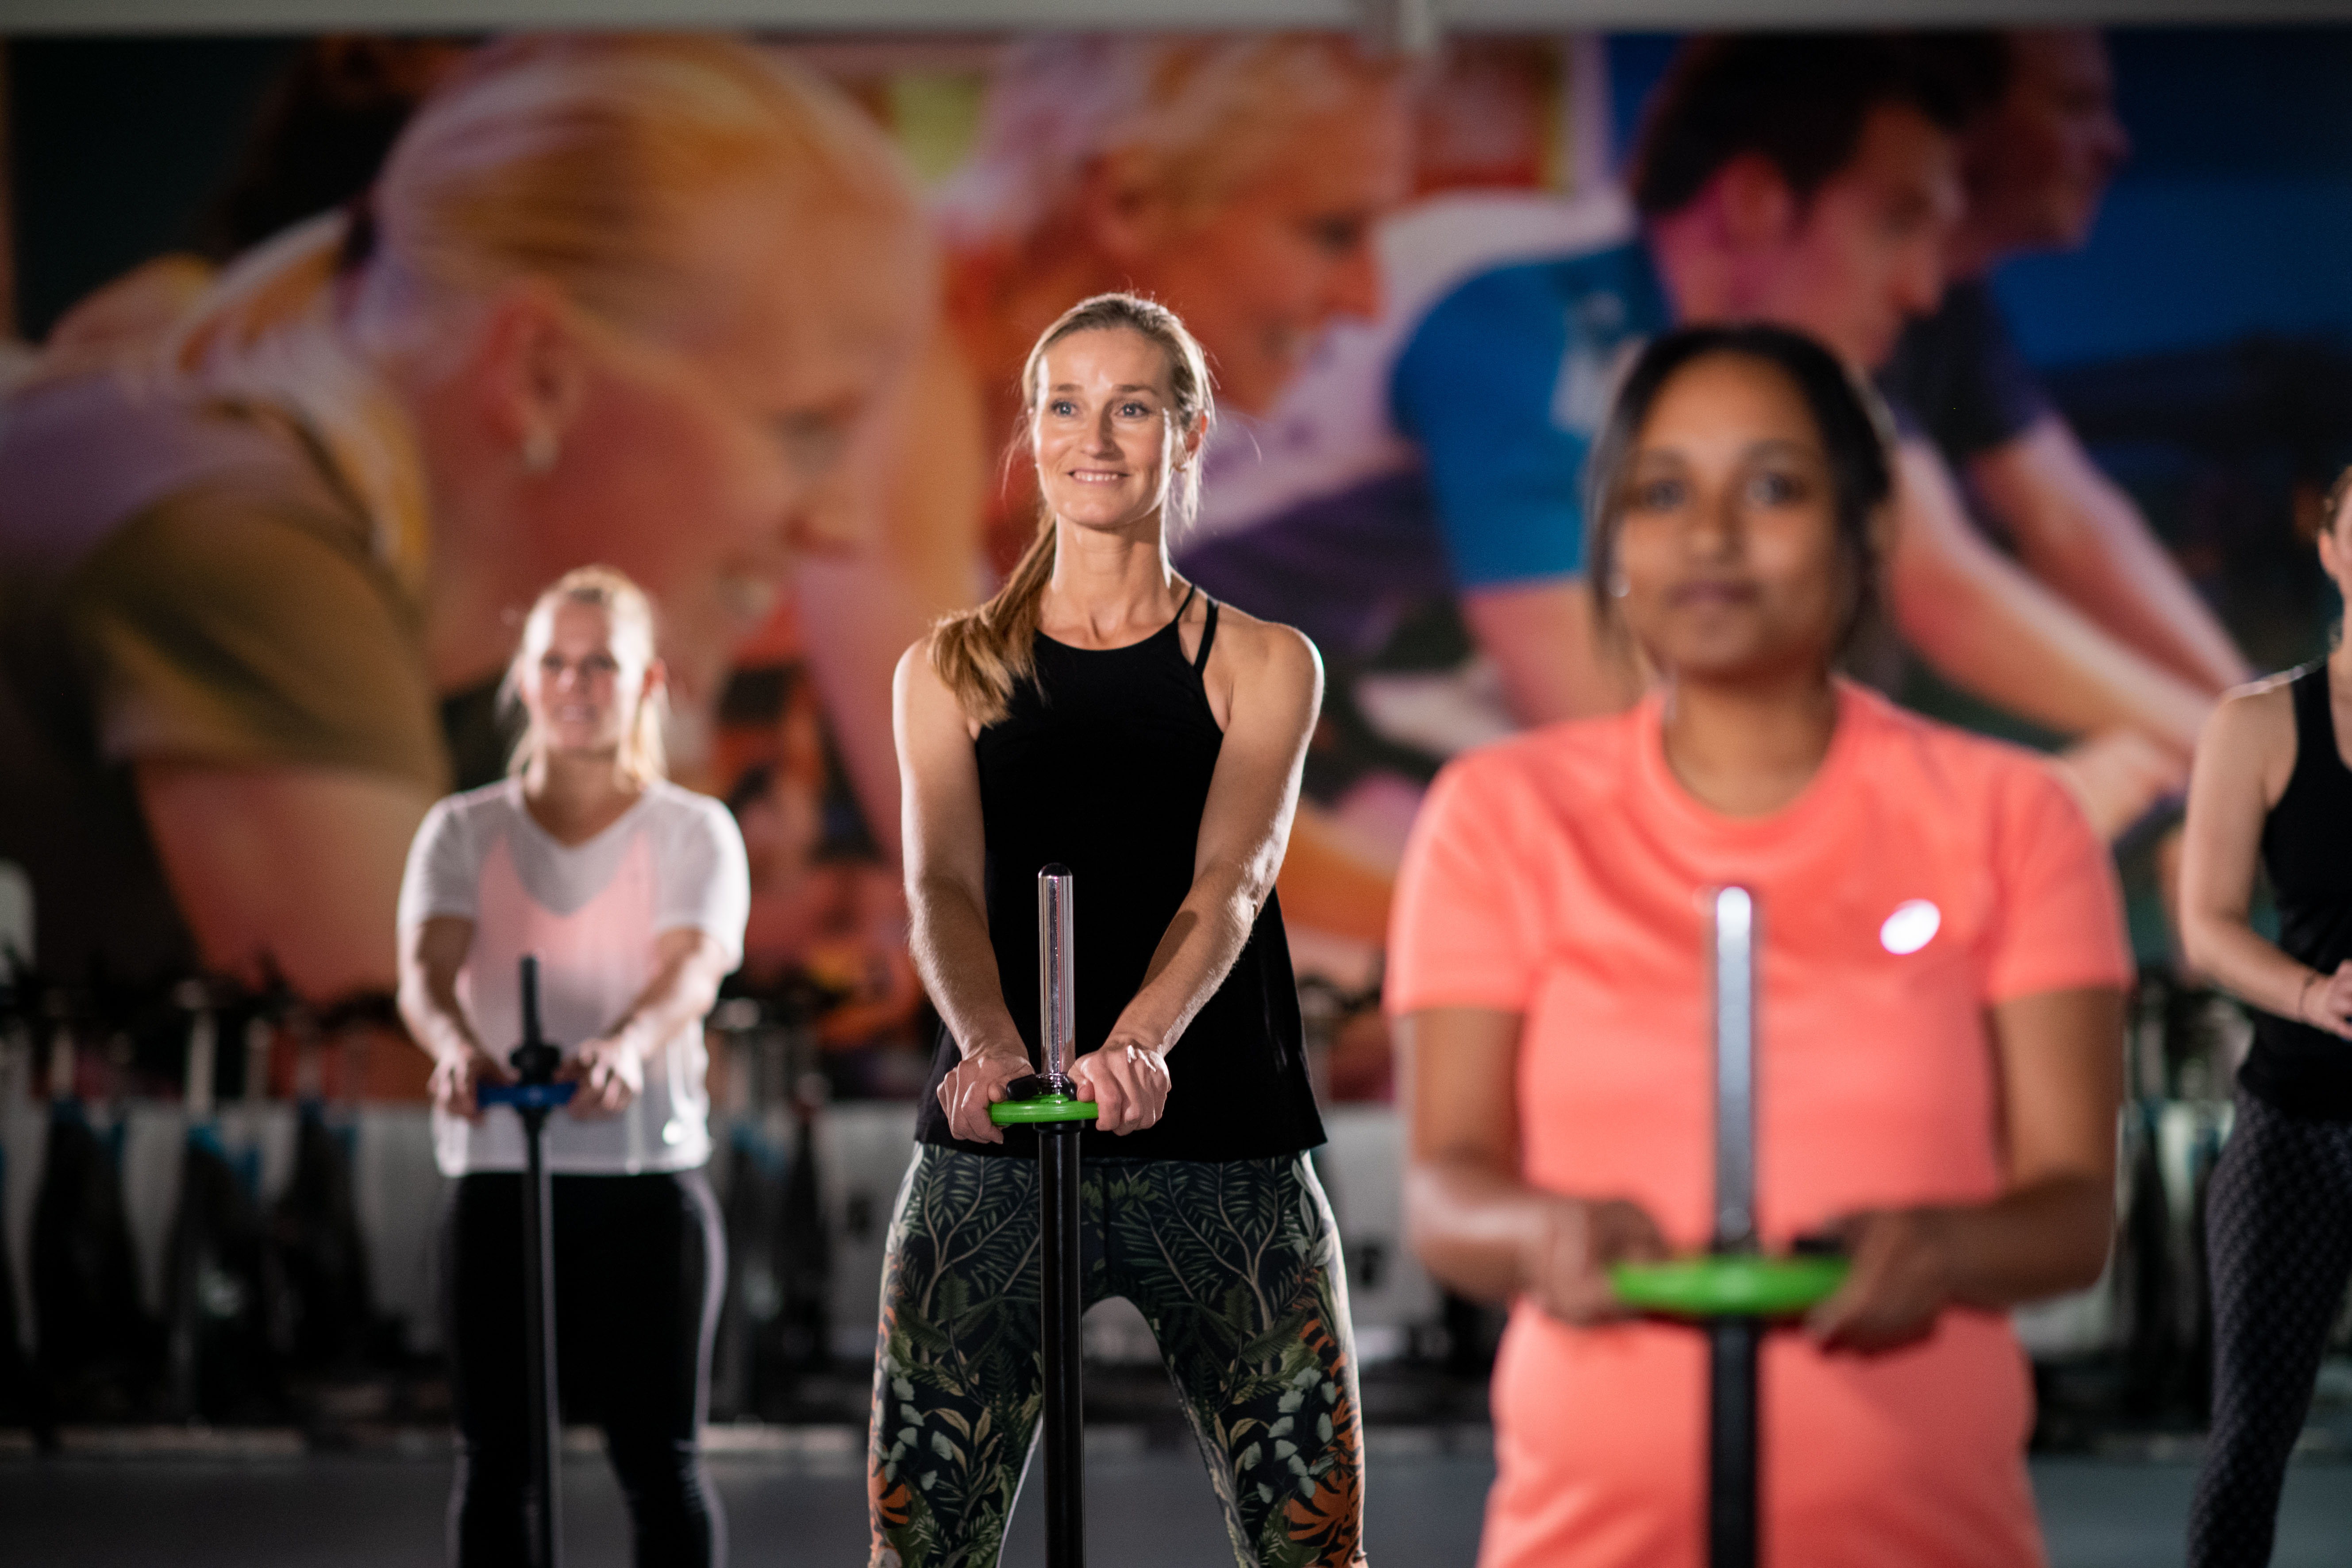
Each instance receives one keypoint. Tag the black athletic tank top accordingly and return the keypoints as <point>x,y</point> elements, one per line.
<point>1103,764</point>
<point>2307,851</point>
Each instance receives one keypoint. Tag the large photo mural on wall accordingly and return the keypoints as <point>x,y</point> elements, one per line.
<point>264,540</point>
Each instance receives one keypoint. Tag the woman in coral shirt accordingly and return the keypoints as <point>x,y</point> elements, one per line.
<point>1940,1023</point>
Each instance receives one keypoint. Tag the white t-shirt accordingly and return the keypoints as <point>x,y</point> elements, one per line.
<point>591,912</point>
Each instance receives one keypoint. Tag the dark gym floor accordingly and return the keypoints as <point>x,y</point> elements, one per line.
<point>1149,1508</point>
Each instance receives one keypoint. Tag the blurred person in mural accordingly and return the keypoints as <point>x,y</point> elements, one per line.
<point>1237,181</point>
<point>317,140</point>
<point>2269,798</point>
<point>1810,181</point>
<point>1983,437</point>
<point>630,892</point>
<point>614,299</point>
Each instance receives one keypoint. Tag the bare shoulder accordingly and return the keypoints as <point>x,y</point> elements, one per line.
<point>1264,650</point>
<point>915,664</point>
<point>2247,750</point>
<point>921,694</point>
<point>2259,715</point>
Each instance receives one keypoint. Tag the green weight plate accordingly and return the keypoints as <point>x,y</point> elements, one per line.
<point>1045,1108</point>
<point>1727,1287</point>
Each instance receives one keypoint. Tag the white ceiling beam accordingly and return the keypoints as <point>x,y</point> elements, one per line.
<point>1410,21</point>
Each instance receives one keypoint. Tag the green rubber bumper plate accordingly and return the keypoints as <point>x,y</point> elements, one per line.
<point>1731,1287</point>
<point>1045,1108</point>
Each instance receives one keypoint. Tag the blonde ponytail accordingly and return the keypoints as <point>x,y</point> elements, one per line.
<point>981,654</point>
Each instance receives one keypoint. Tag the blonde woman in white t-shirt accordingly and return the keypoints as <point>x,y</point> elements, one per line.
<point>633,893</point>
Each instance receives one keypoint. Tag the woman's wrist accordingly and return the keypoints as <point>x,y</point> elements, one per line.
<point>1142,1033</point>
<point>455,1050</point>
<point>631,1037</point>
<point>1132,1041</point>
<point>996,1045</point>
<point>1538,1243</point>
<point>2303,996</point>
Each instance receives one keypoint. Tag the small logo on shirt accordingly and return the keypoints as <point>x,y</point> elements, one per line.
<point>1911,926</point>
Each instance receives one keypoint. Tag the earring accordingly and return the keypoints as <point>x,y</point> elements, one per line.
<point>1618,586</point>
<point>541,448</point>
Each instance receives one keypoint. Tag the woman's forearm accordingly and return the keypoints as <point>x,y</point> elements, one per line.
<point>435,1020</point>
<point>2246,964</point>
<point>1473,1226</point>
<point>2037,1241</point>
<point>957,965</point>
<point>687,968</point>
<point>1194,955</point>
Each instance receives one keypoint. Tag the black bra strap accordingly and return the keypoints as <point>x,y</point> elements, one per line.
<point>1208,637</point>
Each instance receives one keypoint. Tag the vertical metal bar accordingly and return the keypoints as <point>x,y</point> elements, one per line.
<point>1057,1203</point>
<point>1733,961</point>
<point>545,1523</point>
<point>1732,1343</point>
<point>529,982</point>
<point>1731,1468</point>
<point>1056,1000</point>
<point>1065,1415</point>
<point>539,1309</point>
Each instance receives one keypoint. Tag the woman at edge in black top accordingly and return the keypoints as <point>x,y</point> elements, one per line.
<point>1100,713</point>
<point>2271,782</point>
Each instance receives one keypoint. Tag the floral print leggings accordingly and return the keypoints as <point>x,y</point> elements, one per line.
<point>1236,1264</point>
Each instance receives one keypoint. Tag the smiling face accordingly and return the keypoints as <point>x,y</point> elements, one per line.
<point>1866,254</point>
<point>1259,269</point>
<point>1104,430</point>
<point>1726,547</point>
<point>580,684</point>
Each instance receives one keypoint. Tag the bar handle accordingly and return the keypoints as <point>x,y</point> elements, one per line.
<point>1056,989</point>
<point>531,1034</point>
<point>534,1060</point>
<point>1731,918</point>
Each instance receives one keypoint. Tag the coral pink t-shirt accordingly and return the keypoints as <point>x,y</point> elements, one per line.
<point>1923,875</point>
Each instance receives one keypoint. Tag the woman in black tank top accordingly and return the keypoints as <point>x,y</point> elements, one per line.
<point>1101,714</point>
<point>2271,785</point>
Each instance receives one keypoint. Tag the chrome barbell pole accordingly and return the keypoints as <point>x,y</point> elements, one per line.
<point>1061,1303</point>
<point>1732,1342</point>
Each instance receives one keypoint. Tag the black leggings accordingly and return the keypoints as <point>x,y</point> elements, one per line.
<point>2278,1228</point>
<point>639,1263</point>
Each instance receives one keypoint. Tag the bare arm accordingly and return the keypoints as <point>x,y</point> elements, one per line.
<point>2243,766</point>
<point>1277,689</point>
<point>298,868</point>
<point>1483,1230</point>
<point>2082,536</point>
<point>1542,638</point>
<point>2061,1073</point>
<point>947,895</point>
<point>689,965</point>
<point>431,954</point>
<point>1989,627</point>
<point>1471,1218</point>
<point>1270,681</point>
